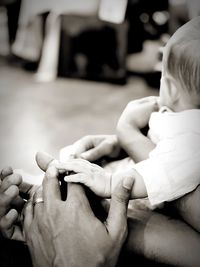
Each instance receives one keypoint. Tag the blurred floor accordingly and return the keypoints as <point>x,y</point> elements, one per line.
<point>46,117</point>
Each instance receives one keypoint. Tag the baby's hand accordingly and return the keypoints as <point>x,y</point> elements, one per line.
<point>91,175</point>
<point>9,197</point>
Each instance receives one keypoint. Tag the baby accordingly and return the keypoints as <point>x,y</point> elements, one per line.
<point>169,159</point>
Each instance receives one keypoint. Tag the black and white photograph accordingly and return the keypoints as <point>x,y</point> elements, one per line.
<point>100,133</point>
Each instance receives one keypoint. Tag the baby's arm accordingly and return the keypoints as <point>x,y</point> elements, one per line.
<point>89,174</point>
<point>98,180</point>
<point>133,120</point>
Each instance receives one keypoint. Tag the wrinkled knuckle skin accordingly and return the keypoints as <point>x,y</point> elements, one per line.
<point>18,176</point>
<point>121,198</point>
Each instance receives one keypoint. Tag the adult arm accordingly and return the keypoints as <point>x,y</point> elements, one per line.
<point>188,208</point>
<point>163,239</point>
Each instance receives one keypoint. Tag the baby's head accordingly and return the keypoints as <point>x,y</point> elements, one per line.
<point>180,82</point>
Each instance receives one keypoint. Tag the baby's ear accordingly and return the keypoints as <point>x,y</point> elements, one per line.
<point>43,160</point>
<point>173,90</point>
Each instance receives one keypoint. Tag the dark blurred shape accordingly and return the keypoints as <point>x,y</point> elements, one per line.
<point>93,49</point>
<point>152,78</point>
<point>12,8</point>
<point>14,254</point>
<point>147,20</point>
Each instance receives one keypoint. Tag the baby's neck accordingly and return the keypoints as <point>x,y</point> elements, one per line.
<point>183,106</point>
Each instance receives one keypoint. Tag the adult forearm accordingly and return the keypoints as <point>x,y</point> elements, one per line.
<point>162,239</point>
<point>188,208</point>
<point>136,145</point>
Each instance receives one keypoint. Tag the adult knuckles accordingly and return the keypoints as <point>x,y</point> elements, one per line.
<point>6,171</point>
<point>121,197</point>
<point>15,178</point>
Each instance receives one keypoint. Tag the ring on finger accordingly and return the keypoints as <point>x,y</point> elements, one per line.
<point>38,200</point>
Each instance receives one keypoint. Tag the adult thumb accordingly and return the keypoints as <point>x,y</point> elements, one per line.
<point>117,217</point>
<point>43,160</point>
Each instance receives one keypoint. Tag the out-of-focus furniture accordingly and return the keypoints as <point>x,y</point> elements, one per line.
<point>10,12</point>
<point>93,49</point>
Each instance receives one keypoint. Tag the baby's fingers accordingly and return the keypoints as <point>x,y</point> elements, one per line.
<point>78,178</point>
<point>75,165</point>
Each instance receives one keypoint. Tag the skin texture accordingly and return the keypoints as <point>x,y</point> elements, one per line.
<point>134,118</point>
<point>102,183</point>
<point>162,238</point>
<point>93,147</point>
<point>168,239</point>
<point>75,237</point>
<point>11,203</point>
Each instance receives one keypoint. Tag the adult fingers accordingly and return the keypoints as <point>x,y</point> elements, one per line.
<point>25,187</point>
<point>9,195</point>
<point>18,203</point>
<point>43,160</point>
<point>5,172</point>
<point>51,187</point>
<point>14,179</point>
<point>38,206</point>
<point>7,198</point>
<point>76,197</point>
<point>8,227</point>
<point>117,217</point>
<point>28,215</point>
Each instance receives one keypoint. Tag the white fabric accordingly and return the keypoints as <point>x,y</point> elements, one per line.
<point>173,167</point>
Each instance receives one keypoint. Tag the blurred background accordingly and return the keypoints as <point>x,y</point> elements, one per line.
<point>68,68</point>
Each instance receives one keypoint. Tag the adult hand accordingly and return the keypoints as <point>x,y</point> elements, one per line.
<point>137,112</point>
<point>66,233</point>
<point>94,147</point>
<point>11,203</point>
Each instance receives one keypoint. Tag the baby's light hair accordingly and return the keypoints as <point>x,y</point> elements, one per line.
<point>182,59</point>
